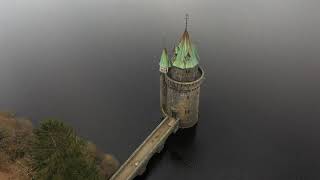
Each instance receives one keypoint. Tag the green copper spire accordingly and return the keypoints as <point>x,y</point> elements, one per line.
<point>186,55</point>
<point>164,61</point>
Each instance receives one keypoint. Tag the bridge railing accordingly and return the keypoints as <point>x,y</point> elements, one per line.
<point>136,163</point>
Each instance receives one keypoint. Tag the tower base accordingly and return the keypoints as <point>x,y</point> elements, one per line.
<point>185,125</point>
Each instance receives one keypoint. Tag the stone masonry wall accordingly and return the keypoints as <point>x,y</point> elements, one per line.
<point>163,92</point>
<point>183,100</point>
<point>184,75</point>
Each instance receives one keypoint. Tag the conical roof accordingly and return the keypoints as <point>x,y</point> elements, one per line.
<point>186,55</point>
<point>164,60</point>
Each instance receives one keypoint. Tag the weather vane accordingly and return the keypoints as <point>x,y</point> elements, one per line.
<point>187,18</point>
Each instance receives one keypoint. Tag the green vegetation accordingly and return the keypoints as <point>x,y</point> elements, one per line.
<point>52,151</point>
<point>59,154</point>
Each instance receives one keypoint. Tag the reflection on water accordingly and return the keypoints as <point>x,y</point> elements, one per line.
<point>179,145</point>
<point>176,149</point>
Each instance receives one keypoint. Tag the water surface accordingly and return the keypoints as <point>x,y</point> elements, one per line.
<point>94,64</point>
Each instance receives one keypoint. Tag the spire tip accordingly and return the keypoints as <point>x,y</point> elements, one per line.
<point>186,18</point>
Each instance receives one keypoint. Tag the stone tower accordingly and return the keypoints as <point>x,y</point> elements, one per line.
<point>180,80</point>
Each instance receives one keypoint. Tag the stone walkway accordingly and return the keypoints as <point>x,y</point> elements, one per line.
<point>137,162</point>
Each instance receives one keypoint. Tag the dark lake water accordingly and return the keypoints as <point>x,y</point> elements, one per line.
<point>94,65</point>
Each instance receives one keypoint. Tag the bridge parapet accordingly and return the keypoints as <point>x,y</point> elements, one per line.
<point>154,143</point>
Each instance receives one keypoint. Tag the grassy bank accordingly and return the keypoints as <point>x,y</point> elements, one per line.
<point>51,151</point>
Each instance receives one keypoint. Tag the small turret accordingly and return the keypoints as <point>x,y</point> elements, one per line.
<point>164,64</point>
<point>164,61</point>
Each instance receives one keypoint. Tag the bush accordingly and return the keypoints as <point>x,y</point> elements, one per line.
<point>57,154</point>
<point>16,138</point>
<point>3,138</point>
<point>108,166</point>
<point>106,163</point>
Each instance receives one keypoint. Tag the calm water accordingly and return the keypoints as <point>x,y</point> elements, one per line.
<point>94,64</point>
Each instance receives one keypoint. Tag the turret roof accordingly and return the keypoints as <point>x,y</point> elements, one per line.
<point>164,60</point>
<point>186,55</point>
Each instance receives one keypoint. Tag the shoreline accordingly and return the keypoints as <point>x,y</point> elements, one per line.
<point>14,166</point>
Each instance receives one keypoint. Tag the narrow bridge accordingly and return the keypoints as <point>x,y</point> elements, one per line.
<point>154,143</point>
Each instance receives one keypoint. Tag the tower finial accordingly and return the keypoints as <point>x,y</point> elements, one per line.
<point>187,18</point>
